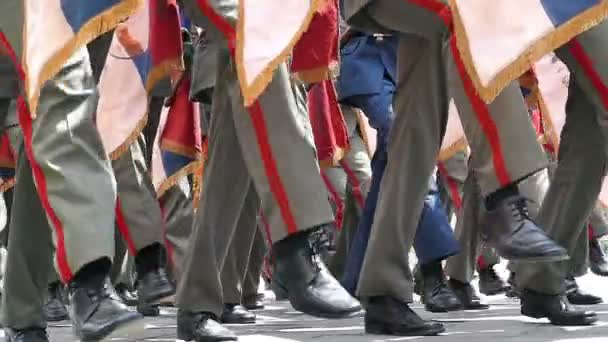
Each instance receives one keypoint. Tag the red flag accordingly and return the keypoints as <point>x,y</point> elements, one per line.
<point>166,47</point>
<point>328,125</point>
<point>315,56</point>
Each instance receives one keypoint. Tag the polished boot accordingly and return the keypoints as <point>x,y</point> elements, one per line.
<point>153,284</point>
<point>308,284</point>
<point>490,284</point>
<point>201,327</point>
<point>95,315</point>
<point>437,296</point>
<point>466,295</point>
<point>236,314</point>
<point>388,316</point>
<point>26,335</point>
<point>254,302</point>
<point>598,261</point>
<point>576,296</point>
<point>507,228</point>
<point>555,308</point>
<point>126,295</point>
<point>55,309</point>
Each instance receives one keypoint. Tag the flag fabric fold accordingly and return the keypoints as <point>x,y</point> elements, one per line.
<point>266,34</point>
<point>328,124</point>
<point>500,40</point>
<point>71,24</point>
<point>315,56</point>
<point>178,149</point>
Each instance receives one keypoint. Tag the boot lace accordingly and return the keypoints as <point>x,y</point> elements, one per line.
<point>519,209</point>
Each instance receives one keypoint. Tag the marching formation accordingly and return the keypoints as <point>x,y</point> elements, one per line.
<point>182,152</point>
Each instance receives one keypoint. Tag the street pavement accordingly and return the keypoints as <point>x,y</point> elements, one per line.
<point>279,323</point>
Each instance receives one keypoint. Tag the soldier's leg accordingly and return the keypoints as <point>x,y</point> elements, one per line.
<point>569,200</point>
<point>138,204</point>
<point>461,266</point>
<point>598,228</point>
<point>200,287</point>
<point>235,265</point>
<point>76,188</point>
<point>251,283</point>
<point>179,217</point>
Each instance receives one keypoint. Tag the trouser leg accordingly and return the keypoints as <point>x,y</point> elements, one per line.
<point>598,221</point>
<point>462,265</point>
<point>73,175</point>
<point>578,264</point>
<point>421,104</point>
<point>239,252</point>
<point>573,191</point>
<point>176,204</point>
<point>251,283</point>
<point>137,202</point>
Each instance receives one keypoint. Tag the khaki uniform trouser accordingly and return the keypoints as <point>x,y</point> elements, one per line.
<point>80,190</point>
<point>428,79</point>
<point>265,154</point>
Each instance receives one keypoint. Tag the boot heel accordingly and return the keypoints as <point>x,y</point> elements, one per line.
<point>279,290</point>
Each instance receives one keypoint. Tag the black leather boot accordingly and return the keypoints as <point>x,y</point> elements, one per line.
<point>576,296</point>
<point>437,296</point>
<point>388,316</point>
<point>507,227</point>
<point>308,284</point>
<point>555,308</point>
<point>201,327</point>
<point>490,284</point>
<point>95,315</point>
<point>153,284</point>
<point>55,309</point>
<point>598,261</point>
<point>237,314</point>
<point>26,335</point>
<point>466,295</point>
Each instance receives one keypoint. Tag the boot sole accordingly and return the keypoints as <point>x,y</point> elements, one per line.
<point>579,321</point>
<point>381,329</point>
<point>131,326</point>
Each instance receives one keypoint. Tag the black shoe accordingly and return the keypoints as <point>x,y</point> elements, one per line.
<point>466,295</point>
<point>388,316</point>
<point>26,335</point>
<point>201,327</point>
<point>309,285</point>
<point>236,314</point>
<point>598,261</point>
<point>154,286</point>
<point>437,296</point>
<point>148,310</point>
<point>96,316</point>
<point>577,297</point>
<point>490,283</point>
<point>254,302</point>
<point>509,229</point>
<point>55,309</point>
<point>126,295</point>
<point>555,308</point>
